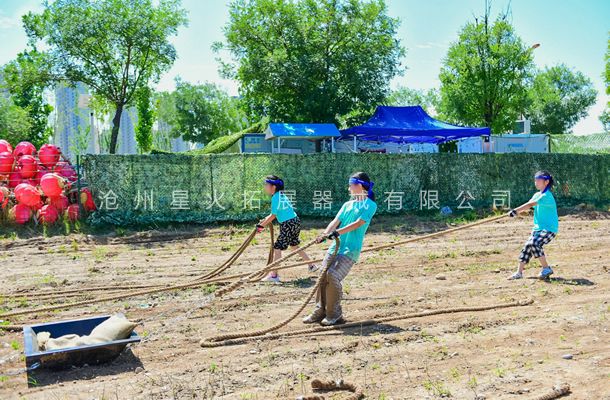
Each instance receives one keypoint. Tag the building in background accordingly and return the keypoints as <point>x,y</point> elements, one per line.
<point>78,132</point>
<point>127,132</point>
<point>74,131</point>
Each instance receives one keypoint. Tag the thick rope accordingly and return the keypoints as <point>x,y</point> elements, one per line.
<point>24,293</point>
<point>269,267</point>
<point>121,296</point>
<point>556,392</point>
<point>243,278</point>
<point>410,240</point>
<point>329,386</point>
<point>358,324</point>
<point>285,321</point>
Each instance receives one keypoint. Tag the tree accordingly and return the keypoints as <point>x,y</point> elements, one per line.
<point>15,122</point>
<point>485,75</point>
<point>607,77</point>
<point>311,60</point>
<point>114,47</point>
<point>146,118</point>
<point>403,96</point>
<point>204,112</point>
<point>559,97</point>
<point>26,78</point>
<point>604,118</point>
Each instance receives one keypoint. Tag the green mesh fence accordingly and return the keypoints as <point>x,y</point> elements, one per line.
<point>597,143</point>
<point>203,188</point>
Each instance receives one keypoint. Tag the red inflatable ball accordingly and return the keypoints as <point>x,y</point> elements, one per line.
<point>4,196</point>
<point>14,179</point>
<point>48,214</point>
<point>20,214</point>
<point>52,185</point>
<point>28,166</point>
<point>72,212</point>
<point>5,146</point>
<point>66,170</point>
<point>33,182</point>
<point>24,149</point>
<point>36,207</point>
<point>41,172</point>
<point>7,160</point>
<point>60,202</point>
<point>86,199</point>
<point>49,155</point>
<point>27,195</point>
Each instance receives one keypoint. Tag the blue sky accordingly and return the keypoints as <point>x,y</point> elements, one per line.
<point>573,32</point>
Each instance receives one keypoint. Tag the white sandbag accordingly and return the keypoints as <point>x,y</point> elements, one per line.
<point>116,327</point>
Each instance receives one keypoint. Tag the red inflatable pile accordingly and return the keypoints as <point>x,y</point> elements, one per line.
<point>39,184</point>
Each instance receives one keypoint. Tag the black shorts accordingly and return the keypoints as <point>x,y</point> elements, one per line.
<point>289,234</point>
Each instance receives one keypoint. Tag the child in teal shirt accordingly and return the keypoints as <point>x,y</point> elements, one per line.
<point>350,226</point>
<point>290,224</point>
<point>546,225</point>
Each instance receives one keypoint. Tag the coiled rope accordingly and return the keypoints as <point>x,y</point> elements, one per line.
<point>329,386</point>
<point>556,392</point>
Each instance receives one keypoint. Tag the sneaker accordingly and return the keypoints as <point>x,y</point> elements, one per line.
<point>545,273</point>
<point>334,321</point>
<point>516,275</point>
<point>313,318</point>
<point>313,267</point>
<point>272,278</point>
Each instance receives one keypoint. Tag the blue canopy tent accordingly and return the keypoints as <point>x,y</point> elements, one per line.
<point>409,125</point>
<point>311,132</point>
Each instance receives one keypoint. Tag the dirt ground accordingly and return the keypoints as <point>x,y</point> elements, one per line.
<point>513,353</point>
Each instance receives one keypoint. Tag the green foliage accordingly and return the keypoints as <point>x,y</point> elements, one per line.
<point>608,69</point>
<point>146,118</point>
<point>403,96</point>
<point>559,98</point>
<point>113,46</point>
<point>26,77</point>
<point>203,112</point>
<point>15,122</point>
<point>597,143</point>
<point>604,118</point>
<point>223,143</point>
<point>311,60</point>
<point>485,75</point>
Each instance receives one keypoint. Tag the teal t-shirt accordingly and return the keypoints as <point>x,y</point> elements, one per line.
<point>545,212</point>
<point>281,207</point>
<point>352,211</point>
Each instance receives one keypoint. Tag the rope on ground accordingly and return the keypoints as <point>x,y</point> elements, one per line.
<point>214,342</point>
<point>285,321</point>
<point>329,386</point>
<point>121,296</point>
<point>244,278</point>
<point>32,293</point>
<point>556,392</point>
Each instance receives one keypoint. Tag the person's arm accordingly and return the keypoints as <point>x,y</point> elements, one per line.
<point>351,227</point>
<point>266,221</point>
<point>524,207</point>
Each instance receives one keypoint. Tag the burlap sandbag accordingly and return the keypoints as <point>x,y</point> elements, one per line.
<point>114,328</point>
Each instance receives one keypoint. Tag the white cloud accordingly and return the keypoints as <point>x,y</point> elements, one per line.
<point>431,45</point>
<point>9,22</point>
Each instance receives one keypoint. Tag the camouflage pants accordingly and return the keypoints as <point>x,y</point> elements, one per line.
<point>330,292</point>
